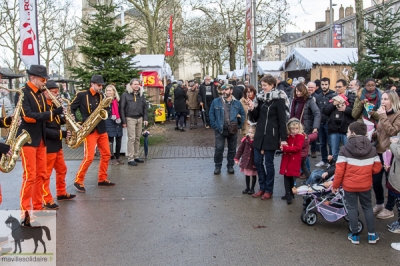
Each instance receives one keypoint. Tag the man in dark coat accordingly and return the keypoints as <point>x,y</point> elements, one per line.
<point>167,96</point>
<point>180,98</point>
<point>207,94</point>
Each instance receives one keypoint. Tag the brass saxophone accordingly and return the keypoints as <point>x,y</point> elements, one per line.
<point>70,120</point>
<point>7,163</point>
<point>91,122</point>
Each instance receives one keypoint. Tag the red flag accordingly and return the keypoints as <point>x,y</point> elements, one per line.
<point>169,49</point>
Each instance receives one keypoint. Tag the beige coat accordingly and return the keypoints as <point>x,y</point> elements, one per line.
<point>388,126</point>
<point>192,102</point>
<point>245,126</point>
<point>394,175</point>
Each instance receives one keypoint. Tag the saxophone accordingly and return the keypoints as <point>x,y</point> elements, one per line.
<point>90,123</point>
<point>7,163</point>
<point>70,120</point>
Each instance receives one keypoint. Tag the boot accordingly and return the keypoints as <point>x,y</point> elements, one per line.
<point>287,187</point>
<point>289,198</point>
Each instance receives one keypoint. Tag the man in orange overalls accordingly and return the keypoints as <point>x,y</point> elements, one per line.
<point>34,115</point>
<point>55,155</point>
<point>87,101</point>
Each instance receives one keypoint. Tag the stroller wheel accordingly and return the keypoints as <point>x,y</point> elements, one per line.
<point>302,217</point>
<point>360,227</point>
<point>310,218</point>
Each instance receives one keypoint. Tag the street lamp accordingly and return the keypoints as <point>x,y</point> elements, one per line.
<point>331,22</point>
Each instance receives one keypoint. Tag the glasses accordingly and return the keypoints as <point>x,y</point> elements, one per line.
<point>42,79</point>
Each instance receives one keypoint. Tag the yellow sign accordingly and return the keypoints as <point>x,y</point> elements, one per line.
<point>160,113</point>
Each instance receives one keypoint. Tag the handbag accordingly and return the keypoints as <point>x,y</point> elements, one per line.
<point>233,128</point>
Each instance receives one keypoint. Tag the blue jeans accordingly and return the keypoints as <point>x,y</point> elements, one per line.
<point>324,140</point>
<point>315,177</point>
<point>336,138</point>
<point>220,145</point>
<point>266,175</point>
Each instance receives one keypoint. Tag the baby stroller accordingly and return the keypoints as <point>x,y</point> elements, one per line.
<point>332,207</point>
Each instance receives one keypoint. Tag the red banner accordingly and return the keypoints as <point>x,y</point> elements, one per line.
<point>169,49</point>
<point>152,79</point>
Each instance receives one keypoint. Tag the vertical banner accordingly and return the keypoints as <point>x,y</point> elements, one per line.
<point>249,51</point>
<point>28,32</point>
<point>337,36</point>
<point>169,49</point>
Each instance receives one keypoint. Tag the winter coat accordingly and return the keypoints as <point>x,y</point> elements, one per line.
<point>270,116</point>
<point>133,108</point>
<point>245,106</point>
<point>358,107</point>
<point>356,163</point>
<point>322,101</point>
<point>202,94</point>
<point>284,86</point>
<point>217,114</point>
<point>306,145</point>
<point>166,93</point>
<point>180,99</point>
<point>246,153</point>
<point>193,103</point>
<point>338,121</point>
<point>388,126</point>
<point>394,175</point>
<point>237,93</point>
<point>311,116</point>
<point>291,158</point>
<point>113,129</point>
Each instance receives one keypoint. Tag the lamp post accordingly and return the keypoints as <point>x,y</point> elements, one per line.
<point>254,80</point>
<point>331,23</point>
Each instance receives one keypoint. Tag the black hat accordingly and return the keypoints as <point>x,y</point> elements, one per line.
<point>50,84</point>
<point>38,71</point>
<point>98,79</point>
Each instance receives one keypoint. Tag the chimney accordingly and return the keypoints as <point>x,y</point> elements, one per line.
<point>327,16</point>
<point>349,11</point>
<point>341,12</point>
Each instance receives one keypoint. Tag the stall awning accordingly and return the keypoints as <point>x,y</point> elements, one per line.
<point>151,79</point>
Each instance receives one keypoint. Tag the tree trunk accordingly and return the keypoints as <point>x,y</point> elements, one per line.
<point>360,28</point>
<point>232,54</point>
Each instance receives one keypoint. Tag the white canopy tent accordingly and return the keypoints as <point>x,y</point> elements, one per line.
<point>153,62</point>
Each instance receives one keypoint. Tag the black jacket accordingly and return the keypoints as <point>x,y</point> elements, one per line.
<point>81,101</point>
<point>34,115</point>
<point>284,86</point>
<point>180,99</point>
<point>237,93</point>
<point>54,134</point>
<point>166,92</point>
<point>322,101</point>
<point>338,122</point>
<point>202,94</point>
<point>271,124</point>
<point>133,106</point>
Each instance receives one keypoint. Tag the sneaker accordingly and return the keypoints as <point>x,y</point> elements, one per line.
<point>372,239</point>
<point>377,208</point>
<point>395,229</point>
<point>396,246</point>
<point>385,214</point>
<point>320,164</point>
<point>355,239</point>
<point>80,187</point>
<point>51,206</point>
<point>106,183</point>
<point>132,163</point>
<point>66,197</point>
<point>395,223</point>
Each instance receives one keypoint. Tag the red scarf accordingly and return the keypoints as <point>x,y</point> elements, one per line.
<point>296,112</point>
<point>114,108</point>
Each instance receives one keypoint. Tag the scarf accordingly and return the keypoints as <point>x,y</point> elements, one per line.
<point>114,108</point>
<point>296,112</point>
<point>374,98</point>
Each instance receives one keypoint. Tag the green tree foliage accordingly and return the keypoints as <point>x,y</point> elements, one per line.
<point>105,50</point>
<point>381,60</point>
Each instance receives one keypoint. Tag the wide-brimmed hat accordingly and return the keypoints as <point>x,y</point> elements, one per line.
<point>98,79</point>
<point>51,84</point>
<point>38,71</point>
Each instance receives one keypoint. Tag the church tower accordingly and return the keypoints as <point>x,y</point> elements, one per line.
<point>87,10</point>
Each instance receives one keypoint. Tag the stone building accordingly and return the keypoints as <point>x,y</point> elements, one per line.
<point>275,50</point>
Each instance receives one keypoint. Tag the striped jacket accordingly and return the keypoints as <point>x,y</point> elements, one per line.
<point>357,162</point>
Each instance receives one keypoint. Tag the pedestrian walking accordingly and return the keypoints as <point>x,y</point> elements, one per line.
<point>193,104</point>
<point>180,99</point>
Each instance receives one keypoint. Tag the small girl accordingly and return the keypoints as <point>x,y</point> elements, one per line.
<point>247,166</point>
<point>291,158</point>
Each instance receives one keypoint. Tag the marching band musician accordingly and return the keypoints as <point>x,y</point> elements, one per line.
<point>5,122</point>
<point>55,155</point>
<point>87,101</point>
<point>34,115</point>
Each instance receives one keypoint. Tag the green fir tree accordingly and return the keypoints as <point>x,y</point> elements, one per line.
<point>105,50</point>
<point>382,58</point>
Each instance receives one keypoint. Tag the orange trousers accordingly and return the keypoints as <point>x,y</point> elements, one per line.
<point>34,165</point>
<point>89,150</point>
<point>55,160</point>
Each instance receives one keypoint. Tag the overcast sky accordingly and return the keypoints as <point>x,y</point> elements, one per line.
<point>305,15</point>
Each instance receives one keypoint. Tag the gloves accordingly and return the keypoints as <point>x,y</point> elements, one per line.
<point>4,148</point>
<point>118,121</point>
<point>58,111</point>
<point>113,117</point>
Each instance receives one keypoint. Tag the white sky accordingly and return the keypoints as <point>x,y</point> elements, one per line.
<point>305,16</point>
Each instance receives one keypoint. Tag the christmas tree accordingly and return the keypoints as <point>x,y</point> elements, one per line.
<point>105,50</point>
<point>381,60</point>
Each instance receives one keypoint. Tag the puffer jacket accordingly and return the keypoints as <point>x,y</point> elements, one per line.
<point>311,116</point>
<point>388,126</point>
<point>394,176</point>
<point>356,163</point>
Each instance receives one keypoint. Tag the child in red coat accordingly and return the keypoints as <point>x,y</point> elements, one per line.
<point>247,167</point>
<point>291,158</point>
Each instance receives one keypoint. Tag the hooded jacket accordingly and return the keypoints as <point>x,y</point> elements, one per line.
<point>357,162</point>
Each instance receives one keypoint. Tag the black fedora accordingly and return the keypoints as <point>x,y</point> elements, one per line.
<point>38,71</point>
<point>51,84</point>
<point>98,79</point>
